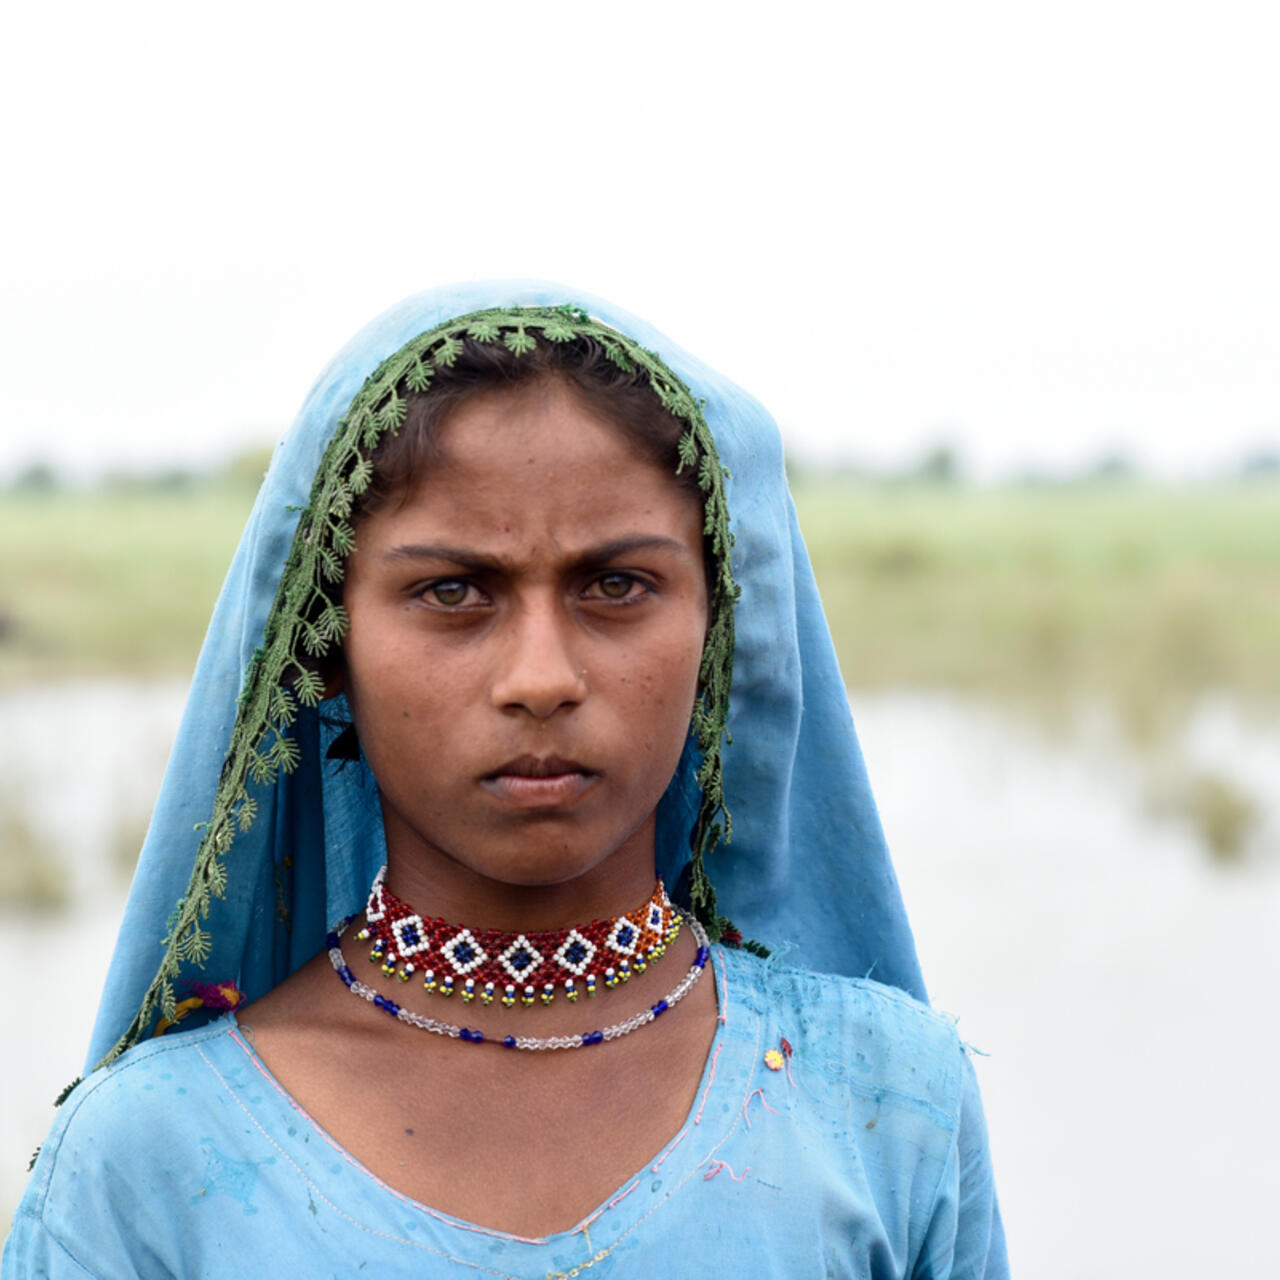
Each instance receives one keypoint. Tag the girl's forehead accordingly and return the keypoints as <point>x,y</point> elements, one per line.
<point>509,469</point>
<point>547,415</point>
<point>540,446</point>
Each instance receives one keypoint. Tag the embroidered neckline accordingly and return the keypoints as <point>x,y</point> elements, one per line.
<point>514,966</point>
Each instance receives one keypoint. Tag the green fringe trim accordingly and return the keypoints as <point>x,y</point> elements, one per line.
<point>306,621</point>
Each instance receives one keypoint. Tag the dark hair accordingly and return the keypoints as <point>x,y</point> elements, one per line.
<point>620,397</point>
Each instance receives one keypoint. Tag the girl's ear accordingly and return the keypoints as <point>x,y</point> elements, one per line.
<point>334,671</point>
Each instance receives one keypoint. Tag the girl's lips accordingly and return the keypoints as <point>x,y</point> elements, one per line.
<point>551,791</point>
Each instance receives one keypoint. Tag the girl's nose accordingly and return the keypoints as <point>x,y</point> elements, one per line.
<point>537,672</point>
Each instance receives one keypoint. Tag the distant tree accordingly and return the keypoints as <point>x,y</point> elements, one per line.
<point>939,465</point>
<point>1111,468</point>
<point>1260,464</point>
<point>1035,478</point>
<point>37,477</point>
<point>172,479</point>
<point>164,480</point>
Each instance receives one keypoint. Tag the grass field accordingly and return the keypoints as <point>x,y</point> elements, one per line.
<point>112,583</point>
<point>1145,596</point>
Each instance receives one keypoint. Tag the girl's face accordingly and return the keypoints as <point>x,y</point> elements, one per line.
<point>526,632</point>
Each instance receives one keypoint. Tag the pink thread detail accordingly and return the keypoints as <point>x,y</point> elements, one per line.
<point>585,1224</point>
<point>763,1102</point>
<point>698,1118</point>
<point>724,1164</point>
<point>657,1164</point>
<point>622,1195</point>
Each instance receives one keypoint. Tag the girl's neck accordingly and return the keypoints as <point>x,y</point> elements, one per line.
<point>438,885</point>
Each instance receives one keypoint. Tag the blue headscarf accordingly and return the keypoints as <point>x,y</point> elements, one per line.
<point>807,867</point>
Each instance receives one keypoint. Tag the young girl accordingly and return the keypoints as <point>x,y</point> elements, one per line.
<point>521,665</point>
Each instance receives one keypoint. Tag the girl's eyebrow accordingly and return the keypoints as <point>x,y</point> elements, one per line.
<point>477,561</point>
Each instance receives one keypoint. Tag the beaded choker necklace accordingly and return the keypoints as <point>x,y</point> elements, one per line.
<point>584,1040</point>
<point>515,967</point>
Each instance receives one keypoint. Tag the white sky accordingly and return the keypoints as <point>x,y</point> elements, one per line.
<point>1041,232</point>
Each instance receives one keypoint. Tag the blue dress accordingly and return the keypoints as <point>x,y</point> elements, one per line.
<point>864,1156</point>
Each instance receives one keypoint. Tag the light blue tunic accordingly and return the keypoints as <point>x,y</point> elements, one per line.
<point>865,1157</point>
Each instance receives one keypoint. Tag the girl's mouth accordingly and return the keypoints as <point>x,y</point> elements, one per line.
<point>539,782</point>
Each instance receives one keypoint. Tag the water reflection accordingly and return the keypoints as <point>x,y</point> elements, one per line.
<point>1118,978</point>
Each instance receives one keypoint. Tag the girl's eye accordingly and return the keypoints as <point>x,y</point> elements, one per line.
<point>449,592</point>
<point>617,586</point>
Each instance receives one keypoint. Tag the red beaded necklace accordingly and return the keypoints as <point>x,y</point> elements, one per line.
<point>515,967</point>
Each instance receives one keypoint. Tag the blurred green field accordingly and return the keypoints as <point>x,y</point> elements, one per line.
<point>112,582</point>
<point>1145,596</point>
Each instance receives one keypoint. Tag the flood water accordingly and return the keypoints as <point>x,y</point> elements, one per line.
<point>1117,976</point>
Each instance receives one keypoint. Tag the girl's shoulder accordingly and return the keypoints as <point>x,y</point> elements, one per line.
<point>852,1033</point>
<point>124,1137</point>
<point>882,1085</point>
<point>147,1088</point>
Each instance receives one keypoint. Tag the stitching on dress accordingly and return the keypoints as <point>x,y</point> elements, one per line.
<point>722,985</point>
<point>710,1078</point>
<point>622,1195</point>
<point>679,1138</point>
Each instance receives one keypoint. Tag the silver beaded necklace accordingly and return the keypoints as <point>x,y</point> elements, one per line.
<point>586,1039</point>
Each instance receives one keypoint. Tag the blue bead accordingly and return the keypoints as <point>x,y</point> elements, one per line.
<point>346,975</point>
<point>331,941</point>
<point>477,1037</point>
<point>509,1042</point>
<point>660,1007</point>
<point>701,958</point>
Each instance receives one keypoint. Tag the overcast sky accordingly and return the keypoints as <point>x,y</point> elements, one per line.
<point>1042,232</point>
